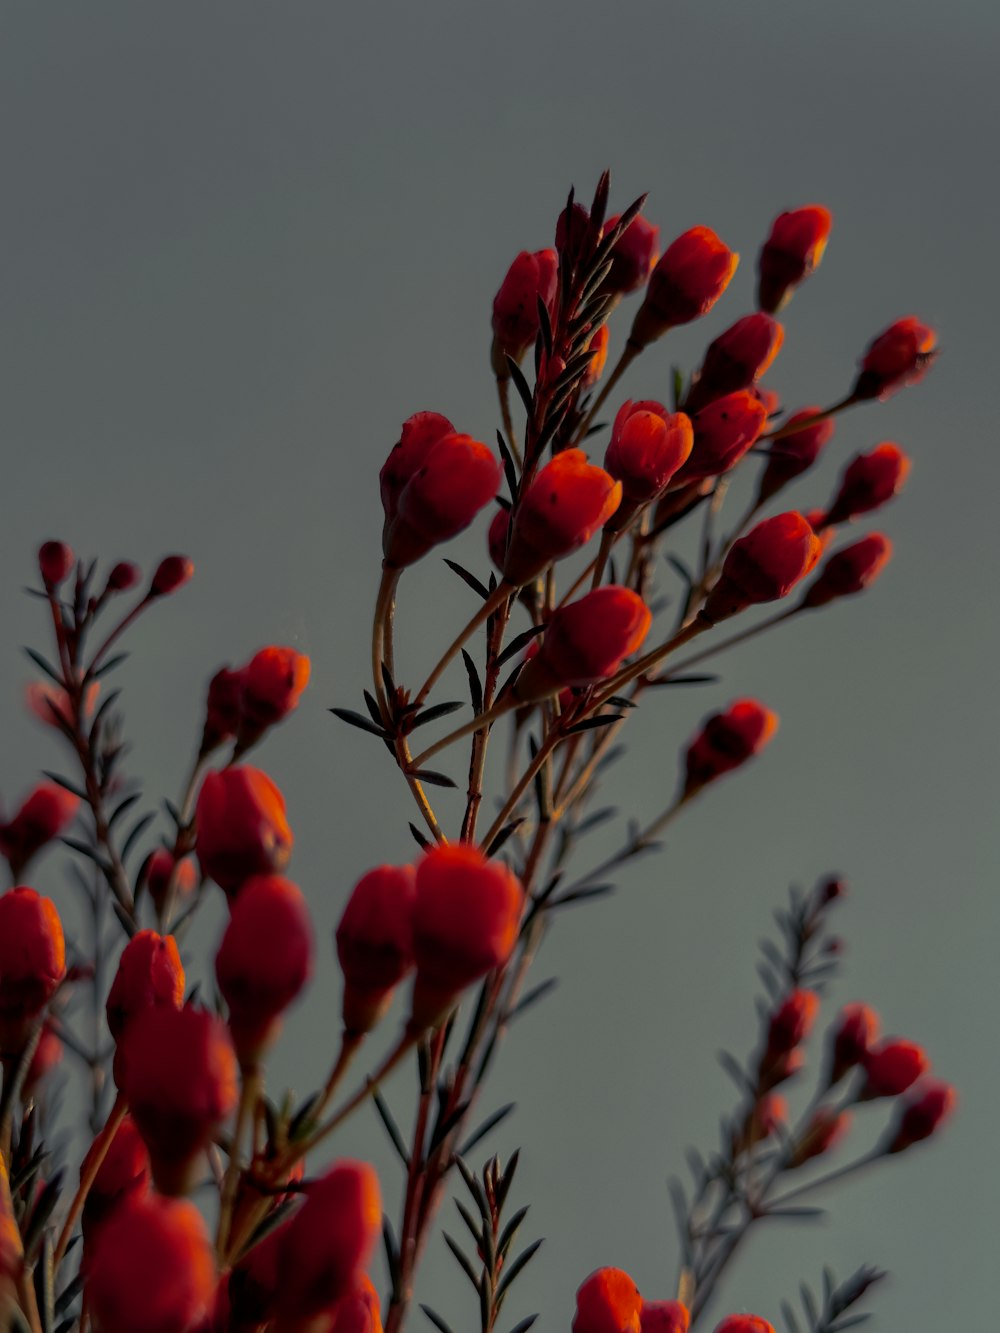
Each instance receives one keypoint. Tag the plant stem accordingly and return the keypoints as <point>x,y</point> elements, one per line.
<point>501,594</point>
<point>88,1174</point>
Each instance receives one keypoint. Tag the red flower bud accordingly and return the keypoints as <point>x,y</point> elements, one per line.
<point>572,225</point>
<point>794,453</point>
<point>723,432</point>
<point>850,570</point>
<point>892,1067</point>
<point>46,813</point>
<point>560,511</point>
<point>585,642</point>
<point>55,560</point>
<point>726,741</point>
<point>452,479</point>
<point>48,1055</point>
<point>690,277</point>
<point>868,482</point>
<point>181,1083</point>
<point>608,1302</point>
<point>273,682</point>
<point>242,829</point>
<point>223,708</point>
<point>598,358</point>
<point>329,1240</point>
<point>51,704</point>
<point>466,916</point>
<point>647,447</point>
<point>124,575</point>
<point>901,355</point>
<point>418,434</point>
<point>824,1131</point>
<point>780,1068</point>
<point>763,566</point>
<point>172,573</point>
<point>158,875</point>
<point>737,358</point>
<point>792,1021</point>
<point>150,976</point>
<point>123,1174</point>
<point>921,1115</point>
<point>632,255</point>
<point>153,1270</point>
<point>744,1323</point>
<point>664,1317</point>
<point>791,252</point>
<point>515,306</point>
<point>264,960</point>
<point>375,943</point>
<point>32,962</point>
<point>856,1030</point>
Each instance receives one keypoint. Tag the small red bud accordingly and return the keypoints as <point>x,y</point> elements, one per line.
<point>891,1068</point>
<point>515,306</point>
<point>850,570</point>
<point>664,1317</point>
<point>794,453</point>
<point>792,1021</point>
<point>375,943</point>
<point>724,430</point>
<point>55,560</point>
<point>726,741</point>
<point>736,359</point>
<point>44,815</point>
<point>826,1128</point>
<point>150,975</point>
<point>273,682</point>
<point>32,962</point>
<point>568,501</point>
<point>687,281</point>
<point>869,481</point>
<point>608,1302</point>
<point>159,873</point>
<point>124,575</point>
<point>763,566</point>
<point>921,1115</point>
<point>744,1323</point>
<point>467,912</point>
<point>585,642</point>
<point>242,828</point>
<point>633,255</point>
<point>648,445</point>
<point>855,1032</point>
<point>172,573</point>
<point>791,252</point>
<point>901,355</point>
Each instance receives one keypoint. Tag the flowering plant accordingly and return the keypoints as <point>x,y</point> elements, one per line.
<point>177,1082</point>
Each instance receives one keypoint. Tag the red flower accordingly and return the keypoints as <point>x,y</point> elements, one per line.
<point>763,566</point>
<point>329,1240</point>
<point>32,962</point>
<point>158,875</point>
<point>598,358</point>
<point>451,479</point>
<point>737,358</point>
<point>869,481</point>
<point>921,1115</point>
<point>264,960</point>
<point>726,741</point>
<point>242,829</point>
<point>153,1270</point>
<point>515,306</point>
<point>690,277</point>
<point>45,814</point>
<point>795,452</point>
<point>791,252</point>
<point>124,575</point>
<point>792,1021</point>
<point>150,976</point>
<point>891,1068</point>
<point>744,1323</point>
<point>254,1282</point>
<point>585,642</point>
<point>647,446</point>
<point>826,1128</point>
<point>223,708</point>
<point>375,943</point>
<point>172,573</point>
<point>723,432</point>
<point>608,1302</point>
<point>273,682</point>
<point>466,916</point>
<point>123,1174</point>
<point>559,512</point>
<point>55,560</point>
<point>664,1317</point>
<point>51,704</point>
<point>181,1083</point>
<point>850,570</point>
<point>901,355</point>
<point>856,1030</point>
<point>632,255</point>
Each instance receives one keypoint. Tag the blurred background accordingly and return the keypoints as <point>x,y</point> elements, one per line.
<point>242,242</point>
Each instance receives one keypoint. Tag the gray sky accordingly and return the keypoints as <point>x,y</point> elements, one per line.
<point>242,242</point>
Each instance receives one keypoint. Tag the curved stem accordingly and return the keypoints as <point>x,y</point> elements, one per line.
<point>88,1174</point>
<point>502,593</point>
<point>250,1089</point>
<point>114,635</point>
<point>503,393</point>
<point>521,786</point>
<point>731,642</point>
<point>476,724</point>
<point>793,427</point>
<point>383,612</point>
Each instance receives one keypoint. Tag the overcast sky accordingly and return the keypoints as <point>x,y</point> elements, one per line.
<point>242,242</point>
